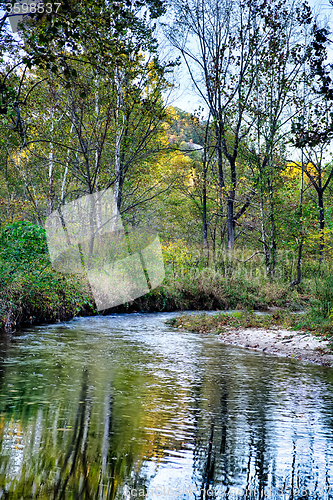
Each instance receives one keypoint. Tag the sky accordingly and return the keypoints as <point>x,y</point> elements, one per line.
<point>185,97</point>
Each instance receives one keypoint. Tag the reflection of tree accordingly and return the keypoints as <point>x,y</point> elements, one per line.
<point>77,451</point>
<point>4,345</point>
<point>99,430</point>
<point>211,447</point>
<point>208,471</point>
<point>232,437</point>
<point>82,461</point>
<point>106,443</point>
<point>257,422</point>
<point>224,432</point>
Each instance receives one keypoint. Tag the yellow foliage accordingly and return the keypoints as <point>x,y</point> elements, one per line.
<point>314,239</point>
<point>294,169</point>
<point>21,156</point>
<point>177,254</point>
<point>174,162</point>
<point>172,112</point>
<point>15,210</point>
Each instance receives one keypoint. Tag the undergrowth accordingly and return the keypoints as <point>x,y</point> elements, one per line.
<point>217,323</point>
<point>32,292</point>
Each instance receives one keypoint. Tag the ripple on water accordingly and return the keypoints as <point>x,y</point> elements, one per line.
<point>127,400</point>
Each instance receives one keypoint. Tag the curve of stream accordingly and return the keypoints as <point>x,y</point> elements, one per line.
<point>123,406</point>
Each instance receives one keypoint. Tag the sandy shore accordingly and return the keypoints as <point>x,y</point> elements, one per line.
<point>297,345</point>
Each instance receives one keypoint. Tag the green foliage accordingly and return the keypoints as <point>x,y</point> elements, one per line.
<point>40,294</point>
<point>105,32</point>
<point>184,127</point>
<point>88,60</point>
<point>30,289</point>
<point>22,242</point>
<point>324,296</point>
<point>23,249</point>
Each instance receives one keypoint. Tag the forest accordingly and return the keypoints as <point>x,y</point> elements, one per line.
<point>239,189</point>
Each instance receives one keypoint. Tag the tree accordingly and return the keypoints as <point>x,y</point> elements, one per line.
<point>105,82</point>
<point>285,28</point>
<point>222,33</point>
<point>313,130</point>
<point>236,53</point>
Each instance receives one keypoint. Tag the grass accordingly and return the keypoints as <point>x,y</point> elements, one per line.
<point>32,292</point>
<point>38,293</point>
<point>220,322</point>
<point>43,295</point>
<point>232,284</point>
<point>205,288</point>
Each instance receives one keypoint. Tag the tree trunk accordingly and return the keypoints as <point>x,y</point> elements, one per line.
<point>51,183</point>
<point>231,206</point>
<point>204,211</point>
<point>220,173</point>
<point>230,223</point>
<point>272,252</point>
<point>321,225</point>
<point>120,123</point>
<point>301,241</point>
<point>204,188</point>
<point>92,225</point>
<point>263,234</point>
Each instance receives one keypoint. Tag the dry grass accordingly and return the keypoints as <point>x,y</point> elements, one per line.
<point>217,323</point>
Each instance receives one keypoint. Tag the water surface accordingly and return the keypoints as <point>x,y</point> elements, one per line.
<point>124,406</point>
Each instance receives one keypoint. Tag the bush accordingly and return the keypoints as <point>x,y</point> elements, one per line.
<point>30,289</point>
<point>21,242</point>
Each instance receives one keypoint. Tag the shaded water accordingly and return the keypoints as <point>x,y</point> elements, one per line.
<point>124,406</point>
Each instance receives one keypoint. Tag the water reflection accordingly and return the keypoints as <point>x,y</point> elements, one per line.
<point>123,406</point>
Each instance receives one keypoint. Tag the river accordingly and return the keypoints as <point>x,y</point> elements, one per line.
<point>123,406</point>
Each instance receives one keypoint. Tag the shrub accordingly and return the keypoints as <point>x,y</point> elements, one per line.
<point>30,290</point>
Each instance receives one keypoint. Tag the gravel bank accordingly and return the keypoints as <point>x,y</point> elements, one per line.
<point>298,345</point>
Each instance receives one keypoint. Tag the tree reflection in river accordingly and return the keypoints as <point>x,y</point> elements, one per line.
<point>237,441</point>
<point>128,401</point>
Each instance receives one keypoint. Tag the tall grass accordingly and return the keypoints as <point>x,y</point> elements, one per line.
<point>226,282</point>
<point>31,291</point>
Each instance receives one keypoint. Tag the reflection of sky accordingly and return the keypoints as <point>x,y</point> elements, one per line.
<point>13,447</point>
<point>294,430</point>
<point>276,413</point>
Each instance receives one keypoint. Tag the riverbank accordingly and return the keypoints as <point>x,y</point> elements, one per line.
<point>51,297</point>
<point>36,293</point>
<point>32,292</point>
<point>297,345</point>
<point>40,294</point>
<point>272,334</point>
<point>43,296</point>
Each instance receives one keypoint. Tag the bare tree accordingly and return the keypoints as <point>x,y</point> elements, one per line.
<point>219,42</point>
<point>313,128</point>
<point>278,99</point>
